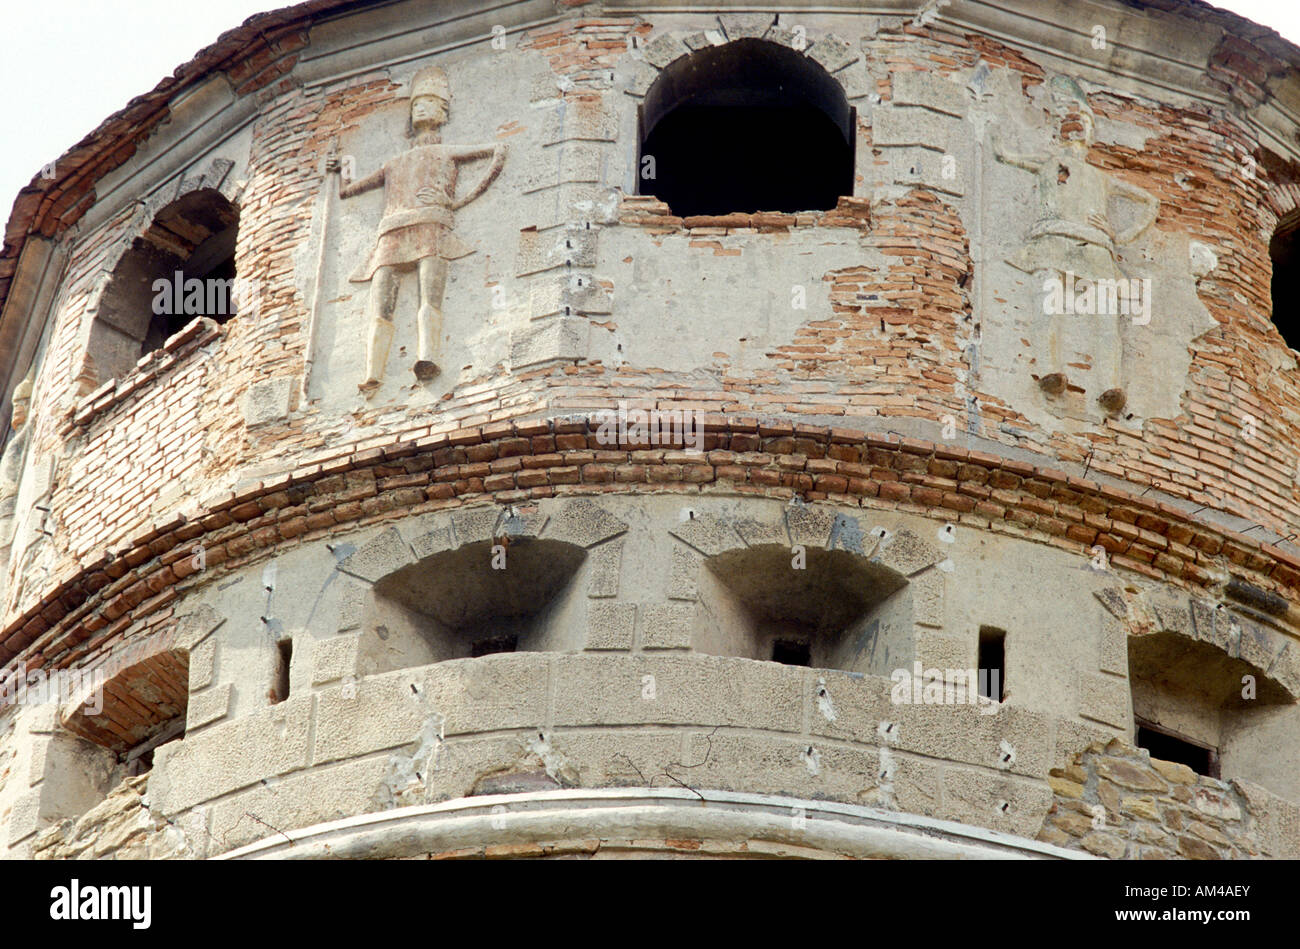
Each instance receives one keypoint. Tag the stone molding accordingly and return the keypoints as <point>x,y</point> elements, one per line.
<point>541,823</point>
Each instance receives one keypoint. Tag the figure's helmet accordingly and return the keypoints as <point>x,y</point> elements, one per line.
<point>1070,104</point>
<point>431,81</point>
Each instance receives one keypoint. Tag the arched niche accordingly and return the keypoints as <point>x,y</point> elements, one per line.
<point>809,587</point>
<point>470,583</point>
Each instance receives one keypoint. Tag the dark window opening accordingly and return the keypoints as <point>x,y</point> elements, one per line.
<point>992,674</point>
<point>181,268</point>
<point>792,652</point>
<point>280,681</point>
<point>485,647</point>
<point>744,127</point>
<point>1286,288</point>
<point>1168,746</point>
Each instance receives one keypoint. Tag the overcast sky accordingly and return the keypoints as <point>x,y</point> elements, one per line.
<point>69,64</point>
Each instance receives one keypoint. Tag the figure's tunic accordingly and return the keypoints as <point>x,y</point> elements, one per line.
<point>419,186</point>
<point>1069,191</point>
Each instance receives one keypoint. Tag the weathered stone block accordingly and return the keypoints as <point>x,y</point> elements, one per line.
<point>353,600</point>
<point>927,599</point>
<point>900,126</point>
<point>269,400</point>
<point>610,625</point>
<point>604,563</point>
<point>207,707</point>
<point>930,91</point>
<point>704,690</point>
<point>1000,802</point>
<point>475,525</point>
<point>708,534</point>
<point>667,626</point>
<point>383,554</point>
<point>1112,651</point>
<point>583,523</point>
<point>202,664</point>
<point>746,25</point>
<point>1105,699</point>
<point>231,755</point>
<point>809,524</point>
<point>1129,774</point>
<point>758,533</point>
<point>683,576</point>
<point>663,49</point>
<point>333,658</point>
<point>432,540</point>
<point>906,553</point>
<point>565,247</point>
<point>193,627</point>
<point>833,53</point>
<point>553,338</point>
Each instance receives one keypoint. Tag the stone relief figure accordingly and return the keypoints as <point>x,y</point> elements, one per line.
<point>11,471</point>
<point>1074,237</point>
<point>416,232</point>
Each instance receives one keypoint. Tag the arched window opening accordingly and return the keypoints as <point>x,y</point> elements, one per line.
<point>744,127</point>
<point>1284,248</point>
<point>181,268</point>
<point>837,611</point>
<point>140,708</point>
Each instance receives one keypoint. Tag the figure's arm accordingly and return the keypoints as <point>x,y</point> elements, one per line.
<point>1029,162</point>
<point>498,153</point>
<point>367,183</point>
<point>1149,203</point>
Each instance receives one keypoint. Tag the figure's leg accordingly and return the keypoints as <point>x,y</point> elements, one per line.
<point>433,281</point>
<point>1111,370</point>
<point>1049,349</point>
<point>383,301</point>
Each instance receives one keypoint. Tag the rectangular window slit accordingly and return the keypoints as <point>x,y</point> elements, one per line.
<point>283,656</point>
<point>992,673</point>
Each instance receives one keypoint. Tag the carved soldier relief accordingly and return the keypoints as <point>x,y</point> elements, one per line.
<point>417,229</point>
<point>1071,247</point>
<point>11,473</point>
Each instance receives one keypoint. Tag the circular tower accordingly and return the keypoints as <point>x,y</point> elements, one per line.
<point>501,432</point>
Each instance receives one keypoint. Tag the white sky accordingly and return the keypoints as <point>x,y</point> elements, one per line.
<point>69,64</point>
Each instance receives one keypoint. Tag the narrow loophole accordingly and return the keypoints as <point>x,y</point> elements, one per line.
<point>283,658</point>
<point>992,663</point>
